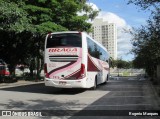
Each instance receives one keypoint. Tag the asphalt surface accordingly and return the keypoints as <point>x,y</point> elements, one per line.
<point>121,98</point>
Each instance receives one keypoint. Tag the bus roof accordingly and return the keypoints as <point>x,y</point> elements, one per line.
<point>64,32</point>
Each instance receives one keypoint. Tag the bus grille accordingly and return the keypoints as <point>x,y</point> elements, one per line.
<point>63,58</point>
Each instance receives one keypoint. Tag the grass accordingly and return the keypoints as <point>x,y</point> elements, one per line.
<point>126,74</point>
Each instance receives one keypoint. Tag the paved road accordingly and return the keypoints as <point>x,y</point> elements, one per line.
<point>117,96</point>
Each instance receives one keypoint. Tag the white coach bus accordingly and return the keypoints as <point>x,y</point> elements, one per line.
<point>74,60</point>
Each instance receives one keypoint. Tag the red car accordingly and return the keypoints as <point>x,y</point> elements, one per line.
<point>3,68</point>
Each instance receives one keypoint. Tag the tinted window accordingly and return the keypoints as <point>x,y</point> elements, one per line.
<point>96,51</point>
<point>66,39</point>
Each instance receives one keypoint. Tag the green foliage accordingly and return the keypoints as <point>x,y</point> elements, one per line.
<point>144,4</point>
<point>13,17</point>
<point>24,24</point>
<point>121,64</point>
<point>146,41</point>
<point>47,27</point>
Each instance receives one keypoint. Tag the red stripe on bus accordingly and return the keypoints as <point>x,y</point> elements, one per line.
<point>73,76</point>
<point>61,67</point>
<point>91,65</point>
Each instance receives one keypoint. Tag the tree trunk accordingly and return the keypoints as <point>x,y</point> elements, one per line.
<point>12,69</point>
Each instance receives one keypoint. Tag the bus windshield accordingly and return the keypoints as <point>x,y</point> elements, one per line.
<point>65,39</point>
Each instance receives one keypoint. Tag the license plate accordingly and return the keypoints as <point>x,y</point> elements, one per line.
<point>62,82</point>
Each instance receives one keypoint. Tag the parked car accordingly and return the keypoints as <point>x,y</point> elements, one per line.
<point>21,69</point>
<point>4,68</point>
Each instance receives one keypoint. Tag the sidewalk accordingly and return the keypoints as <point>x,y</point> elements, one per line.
<point>156,89</point>
<point>19,83</point>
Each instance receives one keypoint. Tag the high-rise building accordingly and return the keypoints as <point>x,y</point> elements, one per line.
<point>106,34</point>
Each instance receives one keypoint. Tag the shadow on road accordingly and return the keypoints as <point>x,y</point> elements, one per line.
<point>40,88</point>
<point>125,96</point>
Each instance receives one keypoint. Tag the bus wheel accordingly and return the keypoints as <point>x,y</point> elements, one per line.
<point>95,84</point>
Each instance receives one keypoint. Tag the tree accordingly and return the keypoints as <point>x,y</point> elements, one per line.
<point>13,23</point>
<point>58,15</point>
<point>121,63</point>
<point>145,4</point>
<point>146,39</point>
<point>24,24</point>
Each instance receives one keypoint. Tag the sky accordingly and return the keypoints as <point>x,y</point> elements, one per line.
<point>125,17</point>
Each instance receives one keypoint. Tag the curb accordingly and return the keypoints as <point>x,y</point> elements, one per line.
<point>154,87</point>
<point>19,83</point>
